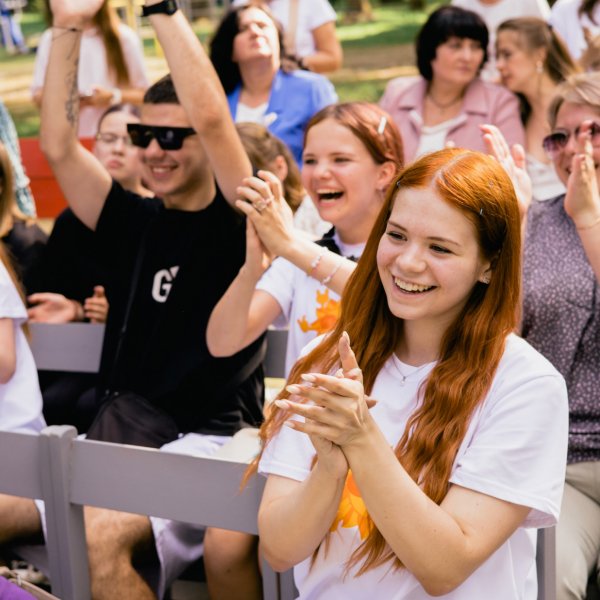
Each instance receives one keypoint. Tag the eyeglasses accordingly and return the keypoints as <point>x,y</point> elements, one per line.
<point>113,138</point>
<point>555,142</point>
<point>168,138</point>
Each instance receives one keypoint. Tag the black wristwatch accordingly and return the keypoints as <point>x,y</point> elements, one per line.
<point>166,7</point>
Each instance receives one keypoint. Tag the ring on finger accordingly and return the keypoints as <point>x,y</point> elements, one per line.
<point>261,205</point>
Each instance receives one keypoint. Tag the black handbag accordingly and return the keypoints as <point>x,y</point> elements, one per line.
<point>128,418</point>
<point>124,416</point>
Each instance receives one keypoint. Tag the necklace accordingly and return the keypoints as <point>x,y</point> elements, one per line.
<point>444,105</point>
<point>405,377</point>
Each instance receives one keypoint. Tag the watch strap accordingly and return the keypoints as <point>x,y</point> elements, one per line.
<point>166,7</point>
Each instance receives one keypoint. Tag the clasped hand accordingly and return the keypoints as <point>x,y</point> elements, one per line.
<point>338,411</point>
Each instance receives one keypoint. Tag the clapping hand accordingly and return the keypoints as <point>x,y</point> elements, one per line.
<point>513,162</point>
<point>582,202</point>
<point>338,411</point>
<point>262,201</point>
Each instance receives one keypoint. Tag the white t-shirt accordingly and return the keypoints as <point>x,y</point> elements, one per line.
<point>569,25</point>
<point>93,69</point>
<point>311,14</point>
<point>20,396</point>
<point>308,308</point>
<point>514,449</point>
<point>494,14</point>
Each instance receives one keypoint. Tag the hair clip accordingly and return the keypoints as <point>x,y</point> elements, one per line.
<point>382,125</point>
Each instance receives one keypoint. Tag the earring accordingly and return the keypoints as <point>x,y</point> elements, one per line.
<point>539,67</point>
<point>485,279</point>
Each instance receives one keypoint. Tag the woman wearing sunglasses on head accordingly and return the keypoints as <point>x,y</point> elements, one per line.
<point>561,313</point>
<point>532,61</point>
<point>247,50</point>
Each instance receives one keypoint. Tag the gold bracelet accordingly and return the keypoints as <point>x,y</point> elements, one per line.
<point>590,226</point>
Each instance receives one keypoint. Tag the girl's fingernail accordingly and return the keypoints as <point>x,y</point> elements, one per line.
<point>289,424</point>
<point>282,404</point>
<point>308,377</point>
<point>293,389</point>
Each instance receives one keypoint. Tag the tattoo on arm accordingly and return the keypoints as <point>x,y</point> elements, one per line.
<point>72,103</point>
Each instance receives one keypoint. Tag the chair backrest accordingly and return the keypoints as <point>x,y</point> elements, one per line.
<point>68,473</point>
<point>48,196</point>
<point>74,347</point>
<point>546,563</point>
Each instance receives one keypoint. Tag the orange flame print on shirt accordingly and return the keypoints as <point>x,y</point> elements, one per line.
<point>328,312</point>
<point>352,511</point>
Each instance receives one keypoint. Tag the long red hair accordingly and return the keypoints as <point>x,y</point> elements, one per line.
<point>471,347</point>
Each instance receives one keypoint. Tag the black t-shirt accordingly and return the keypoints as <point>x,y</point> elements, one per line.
<point>188,260</point>
<point>72,261</point>
<point>26,242</point>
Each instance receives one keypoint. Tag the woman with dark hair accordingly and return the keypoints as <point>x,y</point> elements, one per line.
<point>576,21</point>
<point>111,67</point>
<point>246,51</point>
<point>449,102</point>
<point>532,61</point>
<point>434,483</point>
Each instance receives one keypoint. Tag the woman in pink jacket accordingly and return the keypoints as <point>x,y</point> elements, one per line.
<point>447,104</point>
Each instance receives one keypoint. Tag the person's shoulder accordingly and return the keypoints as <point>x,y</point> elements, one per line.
<point>494,93</point>
<point>525,362</point>
<point>302,78</point>
<point>563,8</point>
<point>401,86</point>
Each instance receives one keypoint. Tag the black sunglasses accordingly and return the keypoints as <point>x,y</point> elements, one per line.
<point>558,139</point>
<point>168,138</point>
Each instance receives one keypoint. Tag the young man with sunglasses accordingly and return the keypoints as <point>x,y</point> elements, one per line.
<point>172,260</point>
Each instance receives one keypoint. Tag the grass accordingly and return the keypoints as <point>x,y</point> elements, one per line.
<point>393,24</point>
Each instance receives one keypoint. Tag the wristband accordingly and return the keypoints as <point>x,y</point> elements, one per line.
<point>332,274</point>
<point>315,263</point>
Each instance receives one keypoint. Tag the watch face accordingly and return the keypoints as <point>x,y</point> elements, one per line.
<point>170,6</point>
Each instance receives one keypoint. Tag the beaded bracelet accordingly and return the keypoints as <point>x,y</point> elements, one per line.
<point>315,263</point>
<point>332,274</point>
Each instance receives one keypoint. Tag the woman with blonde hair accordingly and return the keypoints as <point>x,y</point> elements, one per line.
<point>434,483</point>
<point>561,314</point>
<point>533,61</point>
<point>111,67</point>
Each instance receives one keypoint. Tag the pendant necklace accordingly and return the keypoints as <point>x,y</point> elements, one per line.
<point>405,377</point>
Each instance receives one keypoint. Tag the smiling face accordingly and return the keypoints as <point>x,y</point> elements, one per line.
<point>173,175</point>
<point>518,68</point>
<point>116,154</point>
<point>457,61</point>
<point>429,260</point>
<point>258,37</point>
<point>569,117</point>
<point>343,180</point>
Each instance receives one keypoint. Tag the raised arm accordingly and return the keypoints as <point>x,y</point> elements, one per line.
<point>582,202</point>
<point>243,313</point>
<point>328,54</point>
<point>83,180</point>
<point>203,98</point>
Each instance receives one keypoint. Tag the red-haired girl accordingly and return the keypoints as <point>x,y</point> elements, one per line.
<point>434,483</point>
